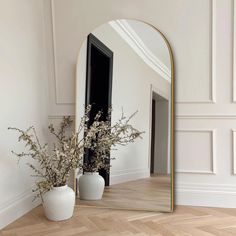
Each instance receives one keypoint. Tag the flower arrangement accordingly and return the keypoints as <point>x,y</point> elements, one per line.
<point>54,168</point>
<point>104,137</point>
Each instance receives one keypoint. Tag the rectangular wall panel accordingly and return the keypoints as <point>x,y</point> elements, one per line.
<point>195,151</point>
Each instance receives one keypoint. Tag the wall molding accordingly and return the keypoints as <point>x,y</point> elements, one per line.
<point>234,151</point>
<point>57,99</point>
<point>123,28</point>
<point>234,52</point>
<point>206,116</point>
<point>212,171</point>
<point>17,207</point>
<point>212,98</point>
<point>213,195</point>
<point>206,187</point>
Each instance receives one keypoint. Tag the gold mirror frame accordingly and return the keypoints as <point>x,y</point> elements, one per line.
<point>172,123</point>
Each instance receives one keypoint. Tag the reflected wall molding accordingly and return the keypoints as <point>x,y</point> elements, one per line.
<point>120,176</point>
<point>123,28</point>
<point>211,171</point>
<point>59,117</point>
<point>212,98</point>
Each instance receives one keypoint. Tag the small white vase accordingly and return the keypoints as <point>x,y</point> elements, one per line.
<point>59,203</point>
<point>91,186</point>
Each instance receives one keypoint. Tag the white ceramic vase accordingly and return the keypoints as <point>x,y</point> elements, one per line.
<point>91,186</point>
<point>59,203</point>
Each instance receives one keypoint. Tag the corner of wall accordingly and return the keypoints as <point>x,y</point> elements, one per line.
<point>17,207</point>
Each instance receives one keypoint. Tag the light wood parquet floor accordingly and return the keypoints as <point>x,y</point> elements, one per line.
<point>196,221</point>
<point>152,193</point>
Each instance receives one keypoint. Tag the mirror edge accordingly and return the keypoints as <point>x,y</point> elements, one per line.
<point>172,140</point>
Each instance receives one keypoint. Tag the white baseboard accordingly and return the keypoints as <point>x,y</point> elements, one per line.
<point>128,175</point>
<point>208,195</point>
<point>17,207</point>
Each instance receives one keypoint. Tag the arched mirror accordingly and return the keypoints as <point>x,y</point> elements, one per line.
<point>127,65</point>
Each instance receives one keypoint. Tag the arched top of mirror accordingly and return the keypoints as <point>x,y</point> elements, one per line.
<point>147,41</point>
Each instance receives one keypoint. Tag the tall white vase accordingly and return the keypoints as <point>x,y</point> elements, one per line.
<point>91,186</point>
<point>59,203</point>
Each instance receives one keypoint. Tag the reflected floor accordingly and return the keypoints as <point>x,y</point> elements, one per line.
<point>152,193</point>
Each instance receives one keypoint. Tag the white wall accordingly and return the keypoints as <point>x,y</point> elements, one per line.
<point>22,98</point>
<point>132,80</point>
<point>200,33</point>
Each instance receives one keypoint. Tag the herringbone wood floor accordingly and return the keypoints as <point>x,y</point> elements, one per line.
<point>197,221</point>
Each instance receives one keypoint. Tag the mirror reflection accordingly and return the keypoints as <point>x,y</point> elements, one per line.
<point>126,65</point>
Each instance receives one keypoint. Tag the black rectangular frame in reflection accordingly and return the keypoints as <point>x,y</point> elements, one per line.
<point>99,70</point>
